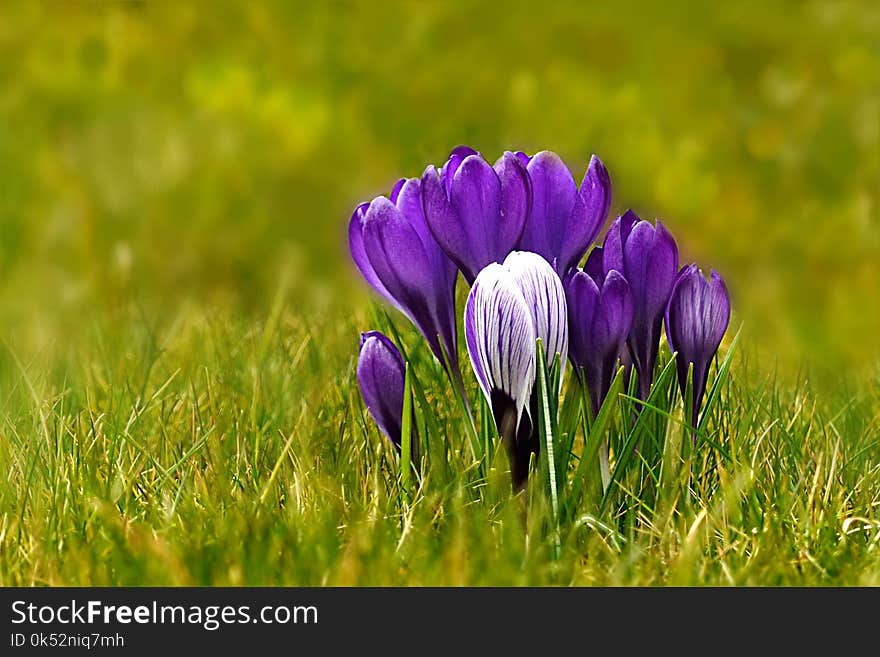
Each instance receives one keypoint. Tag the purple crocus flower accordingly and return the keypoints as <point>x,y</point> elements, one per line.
<point>509,307</point>
<point>696,320</point>
<point>476,211</point>
<point>564,219</point>
<point>600,313</point>
<point>380,376</point>
<point>397,255</point>
<point>647,256</point>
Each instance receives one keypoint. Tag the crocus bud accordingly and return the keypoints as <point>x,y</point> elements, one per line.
<point>696,320</point>
<point>647,256</point>
<point>380,375</point>
<point>509,307</point>
<point>600,315</point>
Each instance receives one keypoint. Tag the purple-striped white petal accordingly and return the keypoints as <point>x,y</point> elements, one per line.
<point>509,307</point>
<point>542,289</point>
<point>500,336</point>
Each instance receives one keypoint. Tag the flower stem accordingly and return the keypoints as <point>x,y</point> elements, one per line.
<point>455,378</point>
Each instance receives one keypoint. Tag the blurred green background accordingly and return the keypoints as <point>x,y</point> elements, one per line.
<point>154,155</point>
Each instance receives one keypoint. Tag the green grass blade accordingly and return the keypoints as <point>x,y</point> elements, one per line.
<point>437,448</point>
<point>715,390</point>
<point>406,434</point>
<point>569,418</point>
<point>593,437</point>
<point>546,423</point>
<point>487,425</point>
<point>659,388</point>
<point>464,407</point>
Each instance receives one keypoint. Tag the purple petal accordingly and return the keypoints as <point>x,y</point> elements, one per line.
<point>650,265</point>
<point>443,270</point>
<point>475,194</point>
<point>395,191</point>
<point>680,317</point>
<point>636,256</point>
<point>662,269</point>
<point>582,298</point>
<point>615,239</point>
<point>443,221</point>
<point>594,266</point>
<point>380,376</point>
<point>409,202</point>
<point>720,310</point>
<point>359,254</point>
<point>595,190</point>
<point>500,336</point>
<point>600,318</point>
<point>588,215</point>
<point>553,198</point>
<point>456,157</point>
<point>396,252</point>
<point>615,318</point>
<point>516,202</point>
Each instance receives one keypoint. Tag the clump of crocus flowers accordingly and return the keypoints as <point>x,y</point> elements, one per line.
<point>518,231</point>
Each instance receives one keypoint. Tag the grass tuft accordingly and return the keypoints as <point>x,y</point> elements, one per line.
<point>214,450</point>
